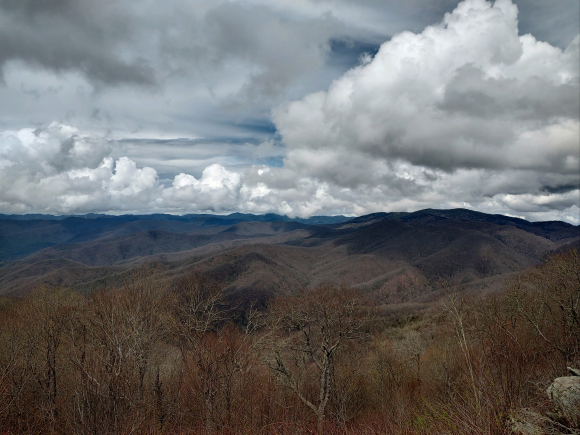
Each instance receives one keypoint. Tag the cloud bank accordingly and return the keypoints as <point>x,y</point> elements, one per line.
<point>466,113</point>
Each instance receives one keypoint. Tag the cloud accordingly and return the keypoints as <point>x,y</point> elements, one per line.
<point>466,113</point>
<point>460,94</point>
<point>66,35</point>
<point>241,51</point>
<point>217,190</point>
<point>59,170</point>
<point>194,69</point>
<point>553,22</point>
<point>466,96</point>
<point>170,69</point>
<point>54,149</point>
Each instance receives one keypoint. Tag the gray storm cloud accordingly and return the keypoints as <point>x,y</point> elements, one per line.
<point>466,113</point>
<point>62,35</point>
<point>148,44</point>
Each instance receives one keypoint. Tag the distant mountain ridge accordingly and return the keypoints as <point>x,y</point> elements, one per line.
<point>396,257</point>
<point>555,229</point>
<point>238,217</point>
<point>21,235</point>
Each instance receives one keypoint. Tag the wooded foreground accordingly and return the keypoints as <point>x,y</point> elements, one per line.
<point>154,357</point>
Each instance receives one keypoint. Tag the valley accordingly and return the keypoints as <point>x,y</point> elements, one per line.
<point>396,257</point>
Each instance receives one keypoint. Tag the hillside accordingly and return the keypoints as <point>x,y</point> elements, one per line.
<point>398,257</point>
<point>22,235</point>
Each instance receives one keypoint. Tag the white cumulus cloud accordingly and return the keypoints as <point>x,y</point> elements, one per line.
<point>59,170</point>
<point>468,100</point>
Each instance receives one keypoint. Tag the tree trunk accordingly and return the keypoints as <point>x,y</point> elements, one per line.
<point>319,421</point>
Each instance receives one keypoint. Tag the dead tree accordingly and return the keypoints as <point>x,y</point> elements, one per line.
<point>307,333</point>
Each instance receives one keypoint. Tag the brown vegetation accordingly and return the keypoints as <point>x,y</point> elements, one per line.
<point>167,357</point>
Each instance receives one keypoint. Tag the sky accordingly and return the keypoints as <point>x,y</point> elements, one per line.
<point>296,107</point>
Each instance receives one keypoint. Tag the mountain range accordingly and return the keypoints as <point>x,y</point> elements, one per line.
<point>396,258</point>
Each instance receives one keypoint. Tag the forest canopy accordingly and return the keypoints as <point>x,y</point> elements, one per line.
<point>154,356</point>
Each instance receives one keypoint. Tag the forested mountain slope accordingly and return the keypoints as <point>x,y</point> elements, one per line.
<point>397,256</point>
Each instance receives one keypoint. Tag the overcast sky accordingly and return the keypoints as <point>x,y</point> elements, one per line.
<point>297,107</point>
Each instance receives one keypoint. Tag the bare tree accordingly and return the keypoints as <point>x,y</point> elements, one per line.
<point>307,333</point>
<point>412,346</point>
<point>46,314</point>
<point>199,308</point>
<point>548,297</point>
<point>111,345</point>
<point>31,360</point>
